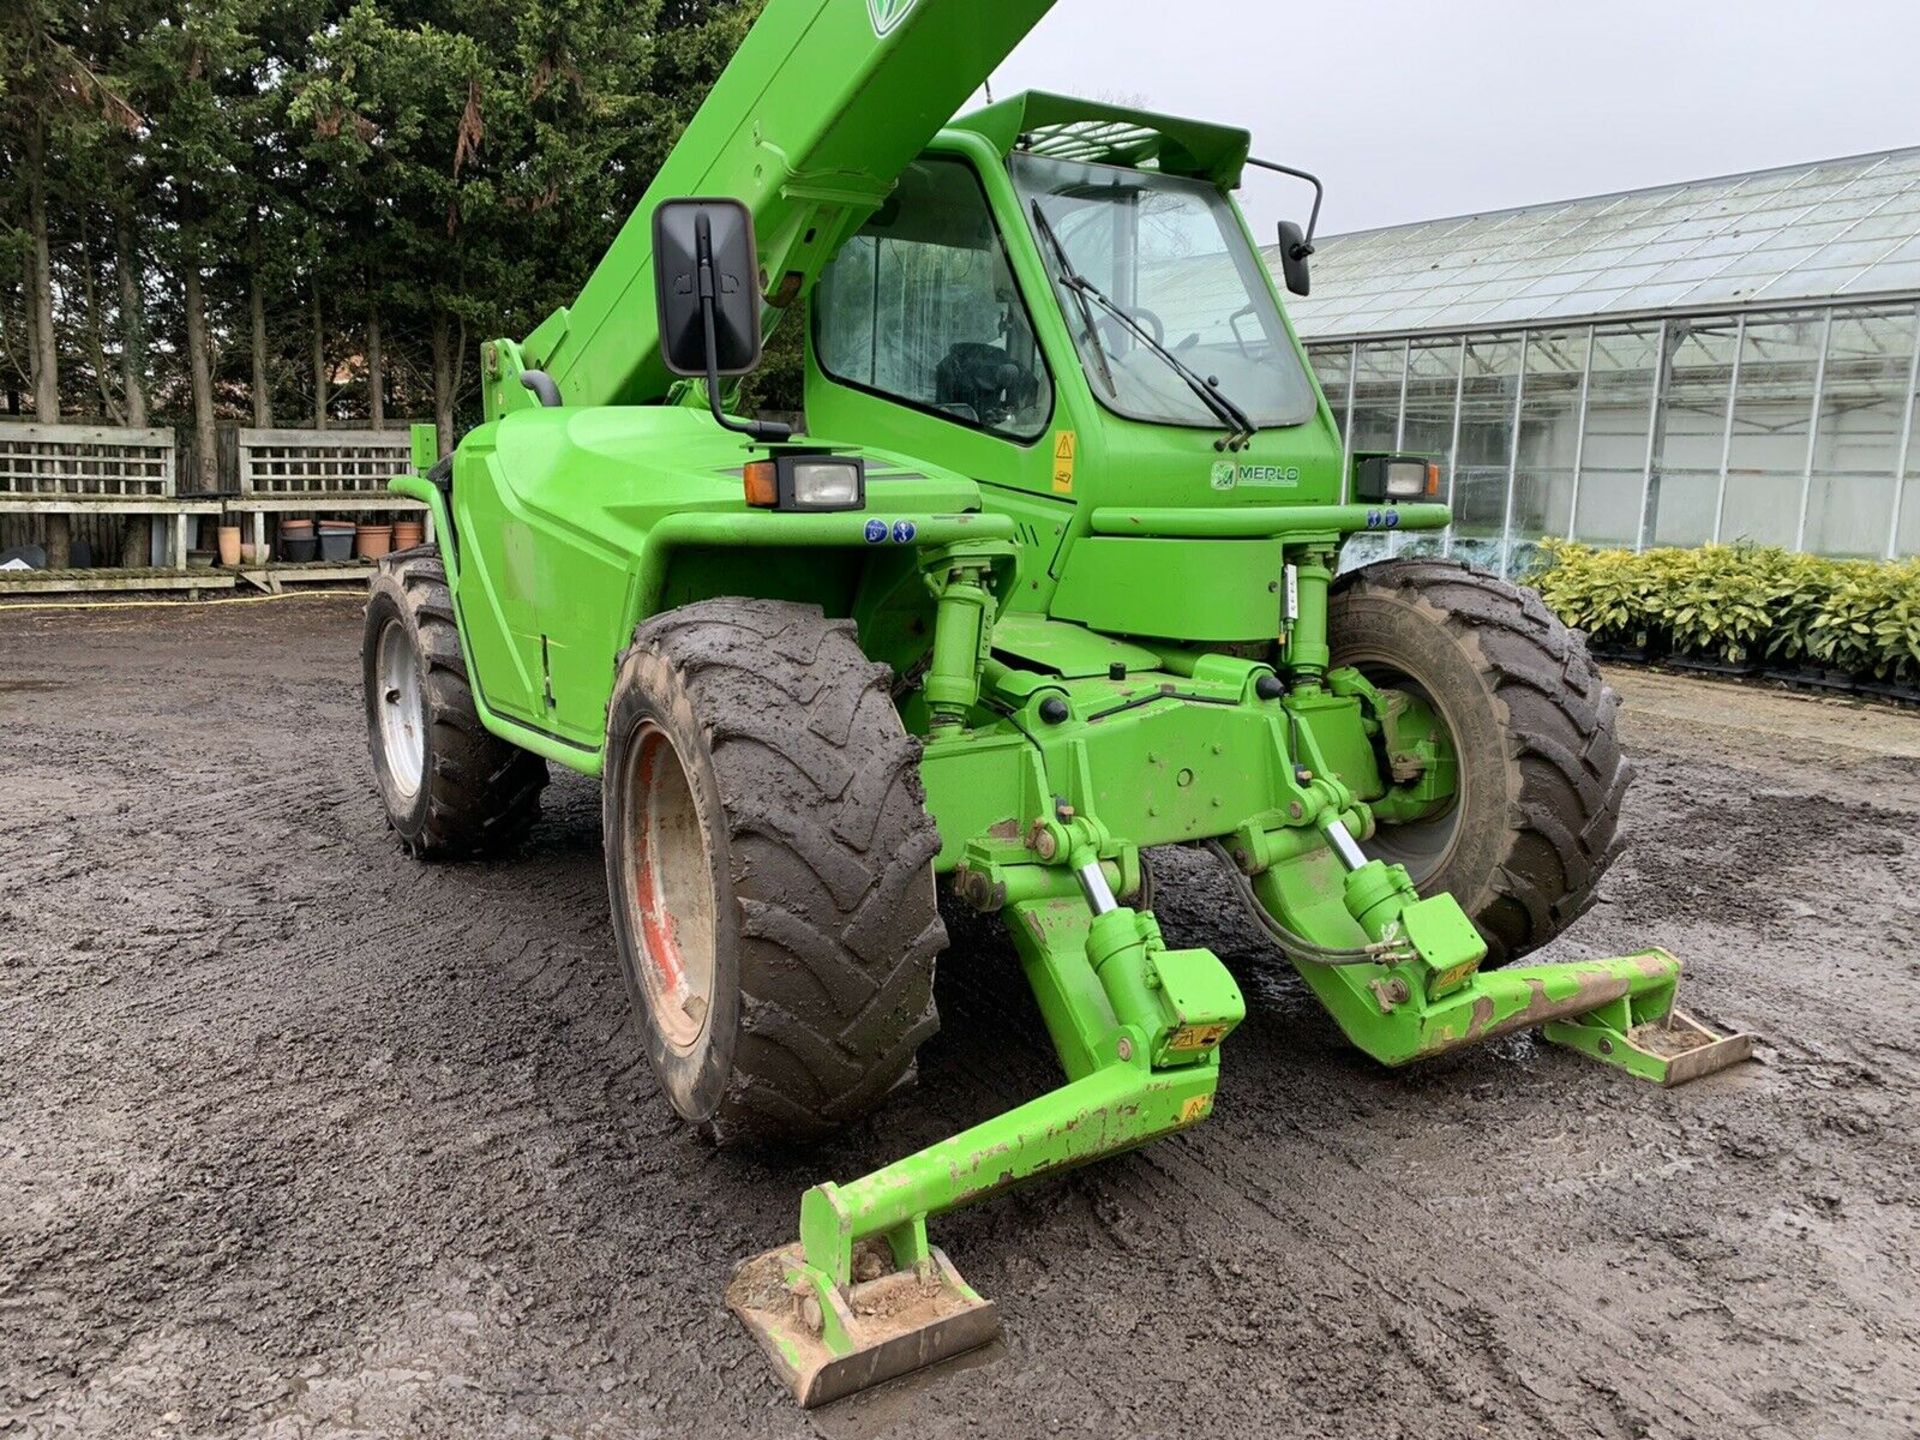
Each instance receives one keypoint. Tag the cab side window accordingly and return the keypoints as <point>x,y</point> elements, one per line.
<point>920,306</point>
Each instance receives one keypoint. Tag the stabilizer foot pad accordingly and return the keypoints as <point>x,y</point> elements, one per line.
<point>1689,1048</point>
<point>894,1324</point>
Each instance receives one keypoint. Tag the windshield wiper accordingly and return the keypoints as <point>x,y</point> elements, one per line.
<point>1240,428</point>
<point>1070,275</point>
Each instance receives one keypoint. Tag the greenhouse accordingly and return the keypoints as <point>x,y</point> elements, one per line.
<point>1725,360</point>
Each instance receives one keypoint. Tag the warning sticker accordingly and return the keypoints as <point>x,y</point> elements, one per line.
<point>1063,448</point>
<point>1197,1037</point>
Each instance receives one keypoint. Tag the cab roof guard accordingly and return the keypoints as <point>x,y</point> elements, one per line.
<point>1062,127</point>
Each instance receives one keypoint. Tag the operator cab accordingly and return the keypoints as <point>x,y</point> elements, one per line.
<point>1072,283</point>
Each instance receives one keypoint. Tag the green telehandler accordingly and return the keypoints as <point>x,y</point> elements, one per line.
<point>1052,577</point>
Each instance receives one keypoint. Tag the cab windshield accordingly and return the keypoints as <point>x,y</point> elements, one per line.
<point>1171,253</point>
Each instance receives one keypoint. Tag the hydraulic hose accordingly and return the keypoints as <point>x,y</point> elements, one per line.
<point>1299,947</point>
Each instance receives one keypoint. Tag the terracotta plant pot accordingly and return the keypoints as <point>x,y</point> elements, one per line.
<point>229,545</point>
<point>370,542</point>
<point>408,533</point>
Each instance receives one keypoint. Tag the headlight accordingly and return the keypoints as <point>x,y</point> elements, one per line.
<point>1394,477</point>
<point>803,481</point>
<point>824,485</point>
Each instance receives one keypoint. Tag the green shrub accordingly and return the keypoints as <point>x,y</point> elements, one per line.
<point>1740,603</point>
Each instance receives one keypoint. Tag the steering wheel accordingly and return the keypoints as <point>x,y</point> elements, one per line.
<point>1115,333</point>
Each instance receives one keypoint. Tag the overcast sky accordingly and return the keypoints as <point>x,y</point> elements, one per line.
<point>1413,109</point>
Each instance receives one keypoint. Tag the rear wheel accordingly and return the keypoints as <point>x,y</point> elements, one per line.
<point>769,864</point>
<point>1534,820</point>
<point>450,788</point>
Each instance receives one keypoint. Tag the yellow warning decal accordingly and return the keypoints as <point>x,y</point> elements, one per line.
<point>1195,1107</point>
<point>1197,1037</point>
<point>1063,447</point>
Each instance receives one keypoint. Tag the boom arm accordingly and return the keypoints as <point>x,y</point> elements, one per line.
<point>821,108</point>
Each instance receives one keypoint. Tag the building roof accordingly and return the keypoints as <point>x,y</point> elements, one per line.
<point>1845,228</point>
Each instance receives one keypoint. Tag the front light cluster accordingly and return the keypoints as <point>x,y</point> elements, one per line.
<point>1395,477</point>
<point>800,481</point>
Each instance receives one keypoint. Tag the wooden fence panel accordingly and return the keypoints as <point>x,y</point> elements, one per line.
<point>83,460</point>
<point>320,462</point>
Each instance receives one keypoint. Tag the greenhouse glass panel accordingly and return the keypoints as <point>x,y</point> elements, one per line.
<point>1613,446</point>
<point>1863,409</point>
<point>1772,415</point>
<point>1906,529</point>
<point>1433,379</point>
<point>1378,369</point>
<point>1848,514</point>
<point>1863,397</point>
<point>1362,548</point>
<point>1332,365</point>
<point>1684,492</point>
<point>1490,383</point>
<point>1549,441</point>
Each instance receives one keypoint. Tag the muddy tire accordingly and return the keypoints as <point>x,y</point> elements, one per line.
<point>450,788</point>
<point>1542,777</point>
<point>769,863</point>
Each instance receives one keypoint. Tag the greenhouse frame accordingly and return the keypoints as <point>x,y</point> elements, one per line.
<point>1730,360</point>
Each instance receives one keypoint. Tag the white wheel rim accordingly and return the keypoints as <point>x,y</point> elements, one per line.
<point>402,711</point>
<point>668,888</point>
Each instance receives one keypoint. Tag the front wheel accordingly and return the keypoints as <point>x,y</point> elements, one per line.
<point>1534,820</point>
<point>770,868</point>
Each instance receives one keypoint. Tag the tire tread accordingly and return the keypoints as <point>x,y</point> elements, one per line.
<point>831,848</point>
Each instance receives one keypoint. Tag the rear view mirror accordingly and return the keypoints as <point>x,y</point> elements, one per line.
<point>704,249</point>
<point>706,283</point>
<point>1294,250</point>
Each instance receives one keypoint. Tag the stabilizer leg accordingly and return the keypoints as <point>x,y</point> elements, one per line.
<point>1401,975</point>
<point>863,1297</point>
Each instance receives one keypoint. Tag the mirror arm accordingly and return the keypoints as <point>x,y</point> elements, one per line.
<point>753,429</point>
<point>1305,247</point>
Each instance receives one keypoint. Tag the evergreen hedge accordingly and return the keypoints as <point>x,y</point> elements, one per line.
<point>1742,606</point>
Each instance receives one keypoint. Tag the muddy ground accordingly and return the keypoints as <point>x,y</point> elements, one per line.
<point>300,1138</point>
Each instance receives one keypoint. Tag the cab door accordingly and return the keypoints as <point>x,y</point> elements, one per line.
<point>920,339</point>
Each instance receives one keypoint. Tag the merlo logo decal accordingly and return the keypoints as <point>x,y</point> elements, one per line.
<point>886,14</point>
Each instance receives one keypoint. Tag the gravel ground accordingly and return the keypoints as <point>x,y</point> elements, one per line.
<point>300,1138</point>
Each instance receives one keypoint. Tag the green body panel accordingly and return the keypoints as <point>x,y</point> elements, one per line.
<point>1160,758</point>
<point>1223,590</point>
<point>571,525</point>
<point>1167,142</point>
<point>1051,647</point>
